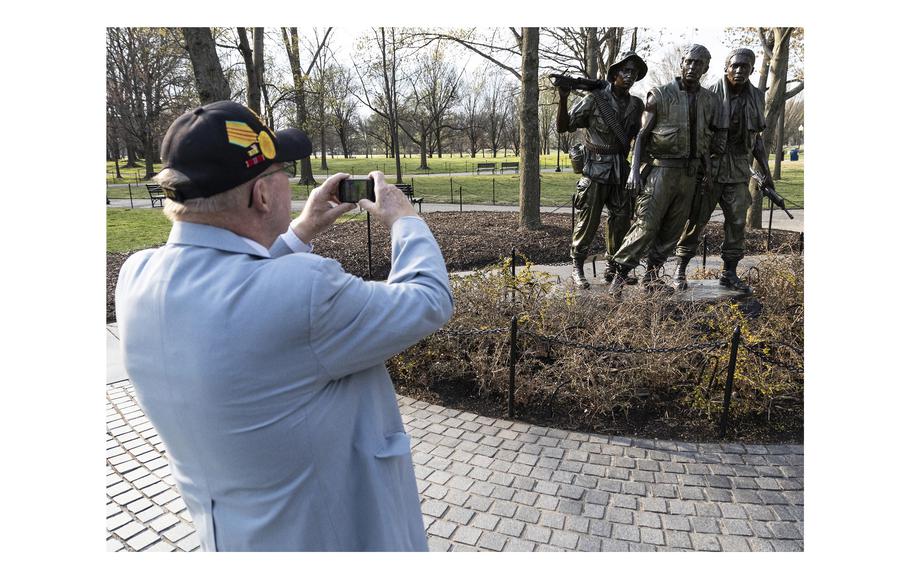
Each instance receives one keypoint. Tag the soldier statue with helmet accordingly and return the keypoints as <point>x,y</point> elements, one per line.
<point>611,118</point>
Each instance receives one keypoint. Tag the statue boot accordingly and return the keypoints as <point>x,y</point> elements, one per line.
<point>729,279</point>
<point>578,273</point>
<point>679,276</point>
<point>652,281</point>
<point>619,281</point>
<point>610,272</point>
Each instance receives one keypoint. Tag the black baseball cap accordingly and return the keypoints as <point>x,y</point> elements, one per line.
<point>223,144</point>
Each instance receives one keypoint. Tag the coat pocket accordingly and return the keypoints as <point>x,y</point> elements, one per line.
<point>396,444</point>
<point>665,140</point>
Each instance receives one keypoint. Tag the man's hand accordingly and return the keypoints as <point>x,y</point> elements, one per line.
<point>564,92</point>
<point>390,205</point>
<point>321,210</point>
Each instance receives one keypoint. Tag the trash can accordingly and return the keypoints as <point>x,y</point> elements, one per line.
<point>794,154</point>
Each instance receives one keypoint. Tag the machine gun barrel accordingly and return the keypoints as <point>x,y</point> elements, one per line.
<point>580,83</point>
<point>769,191</point>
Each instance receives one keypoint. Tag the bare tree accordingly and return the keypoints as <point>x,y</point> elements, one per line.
<point>253,61</point>
<point>502,48</point>
<point>495,110</point>
<point>471,123</point>
<point>773,72</point>
<point>342,106</point>
<point>380,81</point>
<point>148,77</point>
<point>291,41</point>
<point>529,177</point>
<point>210,82</point>
<point>434,87</point>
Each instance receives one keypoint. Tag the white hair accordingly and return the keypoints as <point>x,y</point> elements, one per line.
<point>229,200</point>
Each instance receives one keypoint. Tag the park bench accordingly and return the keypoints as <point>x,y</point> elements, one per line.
<point>486,166</point>
<point>408,190</point>
<point>508,166</point>
<point>155,194</point>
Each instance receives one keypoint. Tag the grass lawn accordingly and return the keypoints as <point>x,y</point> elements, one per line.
<point>130,229</point>
<point>556,188</point>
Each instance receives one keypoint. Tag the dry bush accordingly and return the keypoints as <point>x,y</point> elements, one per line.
<point>675,374</point>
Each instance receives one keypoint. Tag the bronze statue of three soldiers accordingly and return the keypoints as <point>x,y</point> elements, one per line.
<point>693,148</point>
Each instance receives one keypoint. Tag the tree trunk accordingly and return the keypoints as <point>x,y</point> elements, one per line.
<point>591,53</point>
<point>423,153</point>
<point>325,164</point>
<point>253,90</point>
<point>529,133</point>
<point>210,82</point>
<point>779,148</point>
<point>130,156</point>
<point>777,51</point>
<point>149,157</point>
<point>292,46</point>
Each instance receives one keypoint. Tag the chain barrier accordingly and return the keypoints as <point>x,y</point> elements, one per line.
<point>470,332</point>
<point>755,350</point>
<point>558,207</point>
<point>711,345</point>
<point>607,349</point>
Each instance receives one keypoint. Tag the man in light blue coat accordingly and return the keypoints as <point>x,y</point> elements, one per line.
<point>261,364</point>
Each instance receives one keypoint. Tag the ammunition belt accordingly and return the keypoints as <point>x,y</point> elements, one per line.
<point>603,150</point>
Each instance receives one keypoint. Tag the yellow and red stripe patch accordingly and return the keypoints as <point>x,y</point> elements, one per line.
<point>240,133</point>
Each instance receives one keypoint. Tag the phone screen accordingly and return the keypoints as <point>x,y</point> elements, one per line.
<point>353,190</point>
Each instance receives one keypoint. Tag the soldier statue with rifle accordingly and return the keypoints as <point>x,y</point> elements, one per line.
<point>744,120</point>
<point>681,128</point>
<point>612,118</point>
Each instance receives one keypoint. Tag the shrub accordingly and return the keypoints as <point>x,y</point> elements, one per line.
<point>590,362</point>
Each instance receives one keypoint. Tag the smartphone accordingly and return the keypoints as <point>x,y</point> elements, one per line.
<point>353,190</point>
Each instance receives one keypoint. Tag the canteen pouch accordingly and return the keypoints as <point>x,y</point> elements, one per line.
<point>577,157</point>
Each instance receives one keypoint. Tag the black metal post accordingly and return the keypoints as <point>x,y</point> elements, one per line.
<point>494,191</point>
<point>770,220</point>
<point>512,284</point>
<point>513,359</point>
<point>558,169</point>
<point>728,389</point>
<point>594,266</point>
<point>369,249</point>
<point>460,202</point>
<point>704,252</point>
<point>129,186</point>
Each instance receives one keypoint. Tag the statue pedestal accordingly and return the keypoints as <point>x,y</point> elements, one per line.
<point>707,291</point>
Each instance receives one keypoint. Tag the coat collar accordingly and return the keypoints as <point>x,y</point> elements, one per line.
<point>197,234</point>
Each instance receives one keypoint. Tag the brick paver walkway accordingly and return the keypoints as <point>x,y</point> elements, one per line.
<point>490,484</point>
